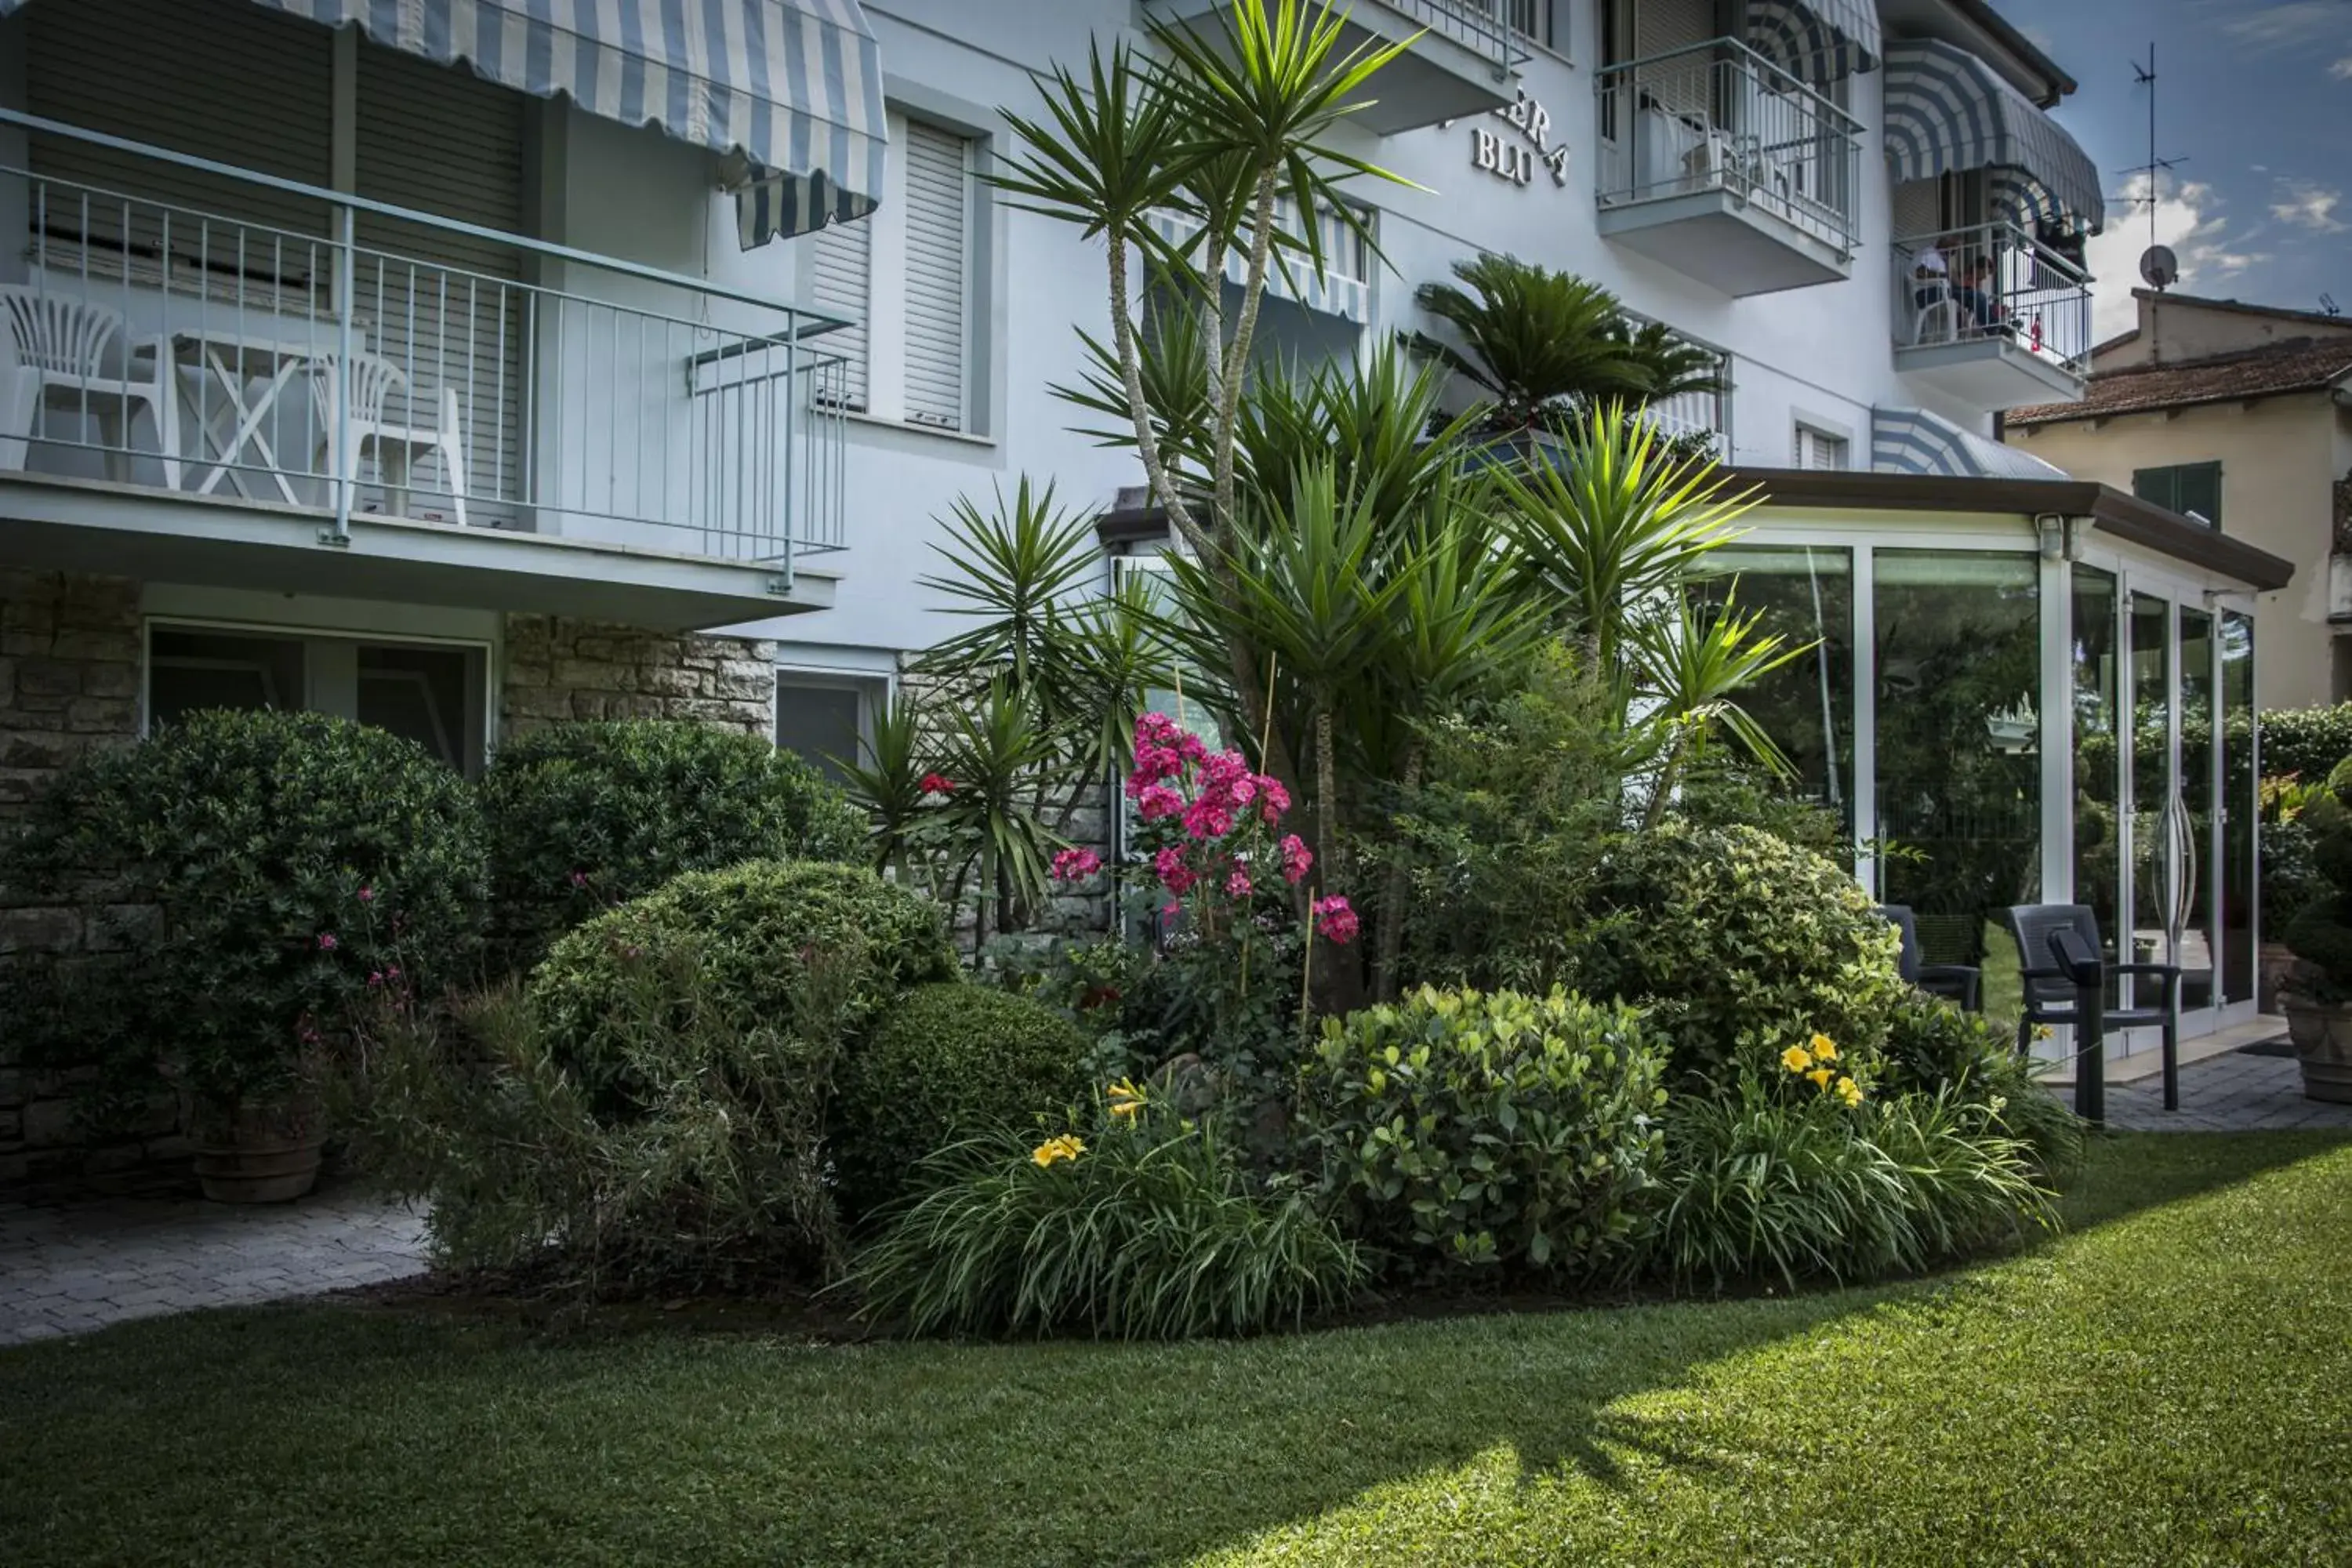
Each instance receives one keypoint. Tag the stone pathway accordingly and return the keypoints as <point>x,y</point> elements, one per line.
<point>2239,1091</point>
<point>67,1268</point>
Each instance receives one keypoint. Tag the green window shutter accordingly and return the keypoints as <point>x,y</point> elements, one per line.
<point>2201,492</point>
<point>2161,486</point>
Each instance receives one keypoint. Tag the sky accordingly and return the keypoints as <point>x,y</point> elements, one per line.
<point>2256,97</point>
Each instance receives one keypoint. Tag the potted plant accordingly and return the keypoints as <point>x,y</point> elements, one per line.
<point>2289,880</point>
<point>248,878</point>
<point>2318,994</point>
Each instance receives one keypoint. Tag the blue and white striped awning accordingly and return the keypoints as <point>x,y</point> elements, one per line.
<point>792,90</point>
<point>1913,441</point>
<point>1948,111</point>
<point>1816,41</point>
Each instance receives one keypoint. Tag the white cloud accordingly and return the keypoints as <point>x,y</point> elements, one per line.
<point>2307,206</point>
<point>2341,69</point>
<point>2288,24</point>
<point>2188,220</point>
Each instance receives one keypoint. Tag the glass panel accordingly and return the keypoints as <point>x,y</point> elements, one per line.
<point>1806,596</point>
<point>2198,748</point>
<point>192,670</point>
<point>2152,881</point>
<point>2098,876</point>
<point>419,694</point>
<point>817,724</point>
<point>2239,813</point>
<point>1958,669</point>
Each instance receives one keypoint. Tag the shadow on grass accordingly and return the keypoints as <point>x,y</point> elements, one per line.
<point>368,1436</point>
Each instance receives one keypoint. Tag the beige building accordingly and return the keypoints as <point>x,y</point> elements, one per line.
<point>2241,415</point>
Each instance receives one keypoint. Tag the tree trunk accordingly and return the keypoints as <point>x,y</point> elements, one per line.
<point>1393,896</point>
<point>1147,438</point>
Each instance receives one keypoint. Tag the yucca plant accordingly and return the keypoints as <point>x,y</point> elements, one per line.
<point>1693,661</point>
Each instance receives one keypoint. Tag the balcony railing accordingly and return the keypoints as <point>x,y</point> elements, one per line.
<point>1342,287</point>
<point>1494,28</point>
<point>1992,284</point>
<point>539,389</point>
<point>1717,116</point>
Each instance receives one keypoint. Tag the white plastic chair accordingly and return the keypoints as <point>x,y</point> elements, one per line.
<point>375,382</point>
<point>64,343</point>
<point>1940,306</point>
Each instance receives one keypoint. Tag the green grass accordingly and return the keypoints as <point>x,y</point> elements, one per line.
<point>2171,1383</point>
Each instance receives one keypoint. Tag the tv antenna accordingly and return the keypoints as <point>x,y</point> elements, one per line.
<point>2159,265</point>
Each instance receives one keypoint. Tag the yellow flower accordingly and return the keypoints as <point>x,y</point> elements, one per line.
<point>1066,1147</point>
<point>1821,1075</point>
<point>1824,1048</point>
<point>1796,1058</point>
<point>1849,1091</point>
<point>1126,1106</point>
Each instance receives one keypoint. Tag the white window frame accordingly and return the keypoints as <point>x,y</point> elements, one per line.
<point>873,689</point>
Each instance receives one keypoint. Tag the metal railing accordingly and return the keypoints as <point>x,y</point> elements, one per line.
<point>535,388</point>
<point>1993,283</point>
<point>1341,287</point>
<point>1717,116</point>
<point>1690,414</point>
<point>1495,30</point>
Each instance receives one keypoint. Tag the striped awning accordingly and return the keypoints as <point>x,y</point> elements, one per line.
<point>1948,111</point>
<point>790,90</point>
<point>1913,441</point>
<point>1816,41</point>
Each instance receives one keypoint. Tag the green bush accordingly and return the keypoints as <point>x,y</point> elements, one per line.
<point>1740,944</point>
<point>753,932</point>
<point>1763,1185</point>
<point>1142,1231</point>
<point>716,1174</point>
<point>1475,1128</point>
<point>258,871</point>
<point>2321,933</point>
<point>1933,1048</point>
<point>583,816</point>
<point>946,1063</point>
<point>2311,742</point>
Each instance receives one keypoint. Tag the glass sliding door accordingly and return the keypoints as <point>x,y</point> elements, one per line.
<point>2239,809</point>
<point>2098,758</point>
<point>2194,902</point>
<point>1957,644</point>
<point>2150,823</point>
<point>1805,595</point>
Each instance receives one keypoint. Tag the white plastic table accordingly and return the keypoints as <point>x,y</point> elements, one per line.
<point>233,425</point>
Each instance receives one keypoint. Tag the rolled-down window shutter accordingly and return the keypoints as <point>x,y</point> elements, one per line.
<point>843,259</point>
<point>939,227</point>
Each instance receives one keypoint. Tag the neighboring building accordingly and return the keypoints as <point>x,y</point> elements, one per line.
<point>2241,414</point>
<point>701,479</point>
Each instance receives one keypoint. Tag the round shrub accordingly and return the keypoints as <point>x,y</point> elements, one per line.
<point>1461,1127</point>
<point>254,872</point>
<point>1740,944</point>
<point>764,941</point>
<point>583,816</point>
<point>1934,1047</point>
<point>947,1062</point>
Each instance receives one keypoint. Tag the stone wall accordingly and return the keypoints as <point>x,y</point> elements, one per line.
<point>69,652</point>
<point>558,670</point>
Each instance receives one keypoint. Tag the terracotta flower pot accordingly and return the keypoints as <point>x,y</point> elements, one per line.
<point>2323,1044</point>
<point>260,1154</point>
<point>2274,967</point>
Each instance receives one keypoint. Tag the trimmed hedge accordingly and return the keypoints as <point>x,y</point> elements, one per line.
<point>1739,944</point>
<point>949,1062</point>
<point>1477,1127</point>
<point>583,816</point>
<point>760,937</point>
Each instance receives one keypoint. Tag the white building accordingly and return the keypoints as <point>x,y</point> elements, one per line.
<point>529,233</point>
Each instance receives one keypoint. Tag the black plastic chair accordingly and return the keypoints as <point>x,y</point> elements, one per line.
<point>1959,983</point>
<point>2052,996</point>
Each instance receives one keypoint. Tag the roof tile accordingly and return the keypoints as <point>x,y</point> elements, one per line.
<point>2295,364</point>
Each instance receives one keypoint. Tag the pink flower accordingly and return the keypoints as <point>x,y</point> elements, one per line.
<point>1157,800</point>
<point>1205,818</point>
<point>327,943</point>
<point>936,783</point>
<point>1296,860</point>
<point>1173,874</point>
<point>375,980</point>
<point>1154,763</point>
<point>1273,798</point>
<point>1237,886</point>
<point>1188,746</point>
<point>579,879</point>
<point>367,894</point>
<point>1336,920</point>
<point>1155,729</point>
<point>1075,865</point>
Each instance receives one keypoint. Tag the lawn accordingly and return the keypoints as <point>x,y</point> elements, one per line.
<point>2170,1384</point>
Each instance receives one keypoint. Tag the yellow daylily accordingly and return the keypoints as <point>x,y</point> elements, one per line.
<point>1821,1075</point>
<point>1066,1147</point>
<point>1849,1091</point>
<point>1824,1048</point>
<point>1796,1058</point>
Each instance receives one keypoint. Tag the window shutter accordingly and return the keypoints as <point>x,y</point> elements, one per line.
<point>938,220</point>
<point>1815,450</point>
<point>2201,492</point>
<point>2161,486</point>
<point>843,256</point>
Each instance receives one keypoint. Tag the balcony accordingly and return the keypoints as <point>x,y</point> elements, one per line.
<point>1991,317</point>
<point>1719,164</point>
<point>324,409</point>
<point>1464,59</point>
<point>1341,288</point>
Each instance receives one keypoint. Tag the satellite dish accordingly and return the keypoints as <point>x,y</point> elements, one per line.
<point>2159,267</point>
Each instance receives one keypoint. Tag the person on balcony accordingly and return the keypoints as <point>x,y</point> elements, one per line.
<point>1933,281</point>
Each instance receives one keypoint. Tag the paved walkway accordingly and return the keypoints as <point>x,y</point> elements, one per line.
<point>2236,1092</point>
<point>68,1269</point>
